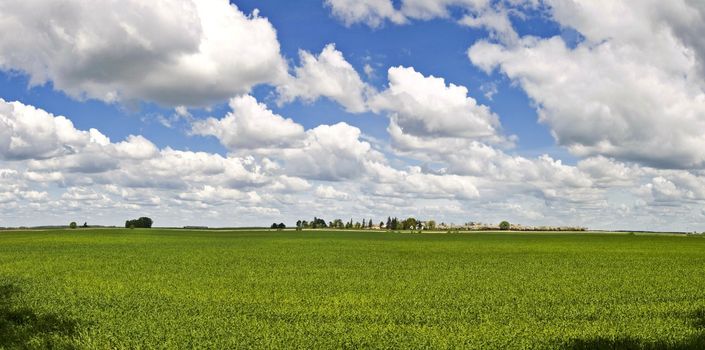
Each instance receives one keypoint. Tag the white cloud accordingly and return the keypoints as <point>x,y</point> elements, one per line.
<point>330,152</point>
<point>30,133</point>
<point>632,90</point>
<point>328,192</point>
<point>414,183</point>
<point>136,147</point>
<point>328,75</point>
<point>375,12</point>
<point>173,52</point>
<point>372,12</point>
<point>279,183</point>
<point>250,126</point>
<point>427,106</point>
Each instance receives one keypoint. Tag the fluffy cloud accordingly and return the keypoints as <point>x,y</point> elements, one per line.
<point>633,89</point>
<point>328,192</point>
<point>375,12</point>
<point>371,12</point>
<point>249,126</point>
<point>414,183</point>
<point>330,152</point>
<point>173,52</point>
<point>326,152</point>
<point>133,176</point>
<point>30,133</point>
<point>328,75</point>
<point>426,106</point>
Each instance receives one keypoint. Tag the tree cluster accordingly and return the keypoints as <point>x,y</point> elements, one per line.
<point>392,224</point>
<point>406,224</point>
<point>143,222</point>
<point>279,226</point>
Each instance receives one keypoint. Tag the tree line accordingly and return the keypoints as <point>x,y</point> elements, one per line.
<point>391,224</point>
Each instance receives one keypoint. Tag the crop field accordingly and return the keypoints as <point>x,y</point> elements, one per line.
<point>158,288</point>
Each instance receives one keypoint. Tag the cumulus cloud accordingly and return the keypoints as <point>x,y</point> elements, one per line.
<point>328,192</point>
<point>427,106</point>
<point>330,152</point>
<point>371,12</point>
<point>30,133</point>
<point>328,75</point>
<point>327,152</point>
<point>250,125</point>
<point>375,12</point>
<point>633,89</point>
<point>173,52</point>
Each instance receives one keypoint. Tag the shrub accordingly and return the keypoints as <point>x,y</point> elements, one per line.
<point>73,224</point>
<point>504,225</point>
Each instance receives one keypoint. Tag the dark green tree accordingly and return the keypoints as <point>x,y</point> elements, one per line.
<point>143,222</point>
<point>504,225</point>
<point>409,224</point>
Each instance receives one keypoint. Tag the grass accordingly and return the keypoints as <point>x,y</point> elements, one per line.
<point>115,288</point>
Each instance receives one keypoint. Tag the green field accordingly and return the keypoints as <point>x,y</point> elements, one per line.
<point>215,289</point>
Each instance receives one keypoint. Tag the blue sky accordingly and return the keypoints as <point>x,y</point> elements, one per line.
<point>454,110</point>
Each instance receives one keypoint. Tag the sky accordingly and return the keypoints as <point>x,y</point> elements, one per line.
<point>243,113</point>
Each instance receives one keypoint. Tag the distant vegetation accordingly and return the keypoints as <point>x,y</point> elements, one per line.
<point>414,224</point>
<point>143,222</point>
<point>279,226</point>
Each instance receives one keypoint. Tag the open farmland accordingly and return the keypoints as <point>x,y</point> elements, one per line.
<point>313,289</point>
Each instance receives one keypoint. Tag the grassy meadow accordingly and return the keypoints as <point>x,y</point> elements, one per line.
<point>158,288</point>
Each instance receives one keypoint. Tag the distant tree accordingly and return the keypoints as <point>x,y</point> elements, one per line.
<point>298,224</point>
<point>395,224</point>
<point>143,222</point>
<point>409,224</point>
<point>281,226</point>
<point>369,223</point>
<point>357,225</point>
<point>504,225</point>
<point>431,225</point>
<point>364,223</point>
<point>389,223</point>
<point>318,223</point>
<point>274,225</point>
<point>381,224</point>
<point>85,225</point>
<point>305,224</point>
<point>73,224</point>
